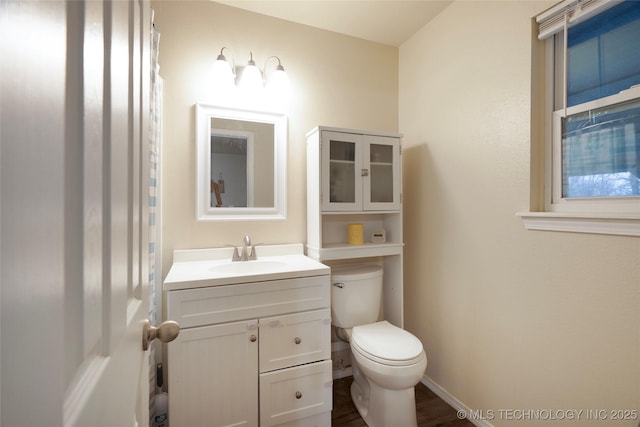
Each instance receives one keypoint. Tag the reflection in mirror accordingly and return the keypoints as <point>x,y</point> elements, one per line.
<point>233,168</point>
<point>241,164</point>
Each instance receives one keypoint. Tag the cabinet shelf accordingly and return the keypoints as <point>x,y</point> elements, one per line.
<point>352,162</point>
<point>336,251</point>
<point>364,214</point>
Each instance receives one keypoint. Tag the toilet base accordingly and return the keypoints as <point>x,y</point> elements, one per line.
<point>381,407</point>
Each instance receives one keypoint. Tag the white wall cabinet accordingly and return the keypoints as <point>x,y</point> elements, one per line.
<point>355,176</point>
<point>360,172</point>
<point>251,354</point>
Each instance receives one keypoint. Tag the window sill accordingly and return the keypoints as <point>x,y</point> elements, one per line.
<point>620,225</point>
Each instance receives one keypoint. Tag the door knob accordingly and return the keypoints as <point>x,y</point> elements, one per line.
<point>166,332</point>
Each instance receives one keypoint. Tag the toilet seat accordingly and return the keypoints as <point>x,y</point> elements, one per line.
<point>387,344</point>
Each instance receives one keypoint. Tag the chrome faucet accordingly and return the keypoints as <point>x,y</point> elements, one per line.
<point>248,252</point>
<point>246,248</point>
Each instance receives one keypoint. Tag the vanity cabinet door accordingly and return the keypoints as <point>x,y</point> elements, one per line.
<point>295,339</point>
<point>213,376</point>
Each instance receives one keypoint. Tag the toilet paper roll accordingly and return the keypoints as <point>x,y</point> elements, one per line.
<point>355,233</point>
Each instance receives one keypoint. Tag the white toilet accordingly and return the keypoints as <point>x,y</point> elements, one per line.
<point>387,361</point>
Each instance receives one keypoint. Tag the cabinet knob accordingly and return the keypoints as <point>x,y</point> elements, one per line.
<point>364,172</point>
<point>298,395</point>
<point>297,340</point>
<point>253,338</point>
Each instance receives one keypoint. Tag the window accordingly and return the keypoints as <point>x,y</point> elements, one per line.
<point>592,111</point>
<point>600,149</point>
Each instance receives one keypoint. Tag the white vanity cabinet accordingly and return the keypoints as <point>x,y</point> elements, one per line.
<point>355,176</point>
<point>251,353</point>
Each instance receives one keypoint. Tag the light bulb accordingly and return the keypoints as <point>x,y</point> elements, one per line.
<point>251,78</point>
<point>278,88</point>
<point>222,74</point>
<point>279,85</point>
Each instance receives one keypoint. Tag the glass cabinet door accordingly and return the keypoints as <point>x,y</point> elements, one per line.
<point>360,172</point>
<point>341,169</point>
<point>382,182</point>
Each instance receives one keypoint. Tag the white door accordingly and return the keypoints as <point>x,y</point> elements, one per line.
<point>74,217</point>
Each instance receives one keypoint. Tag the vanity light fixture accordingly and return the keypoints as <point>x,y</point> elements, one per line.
<point>251,77</point>
<point>278,83</point>
<point>223,76</point>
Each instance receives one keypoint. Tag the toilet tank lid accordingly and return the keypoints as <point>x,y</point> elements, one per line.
<point>356,272</point>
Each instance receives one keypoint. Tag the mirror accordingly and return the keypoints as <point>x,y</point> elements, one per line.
<point>240,164</point>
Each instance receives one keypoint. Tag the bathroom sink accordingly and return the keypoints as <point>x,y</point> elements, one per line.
<point>248,267</point>
<point>196,268</point>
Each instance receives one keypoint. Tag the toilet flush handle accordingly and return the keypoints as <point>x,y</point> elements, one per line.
<point>339,285</point>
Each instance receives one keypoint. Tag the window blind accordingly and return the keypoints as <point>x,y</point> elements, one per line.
<point>552,20</point>
<point>602,54</point>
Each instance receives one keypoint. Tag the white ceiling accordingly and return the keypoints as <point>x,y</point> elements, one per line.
<point>389,22</point>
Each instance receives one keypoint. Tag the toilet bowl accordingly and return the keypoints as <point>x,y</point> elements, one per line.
<point>387,361</point>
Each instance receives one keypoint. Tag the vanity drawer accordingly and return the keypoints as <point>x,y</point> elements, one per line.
<point>296,393</point>
<point>218,304</point>
<point>294,339</point>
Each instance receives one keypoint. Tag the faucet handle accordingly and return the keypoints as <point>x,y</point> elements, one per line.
<point>247,240</point>
<point>236,254</point>
<point>253,255</point>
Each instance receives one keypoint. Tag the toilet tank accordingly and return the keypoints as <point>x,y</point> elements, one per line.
<point>356,294</point>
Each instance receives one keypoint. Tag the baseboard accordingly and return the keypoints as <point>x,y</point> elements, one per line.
<point>462,409</point>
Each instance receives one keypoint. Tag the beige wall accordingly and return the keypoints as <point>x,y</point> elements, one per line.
<point>511,319</point>
<point>336,81</point>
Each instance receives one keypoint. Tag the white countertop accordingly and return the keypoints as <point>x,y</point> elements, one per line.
<point>197,268</point>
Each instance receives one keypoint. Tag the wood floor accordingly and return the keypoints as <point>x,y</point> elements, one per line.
<point>431,410</point>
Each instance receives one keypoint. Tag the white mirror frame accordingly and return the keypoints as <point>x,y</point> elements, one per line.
<point>204,212</point>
